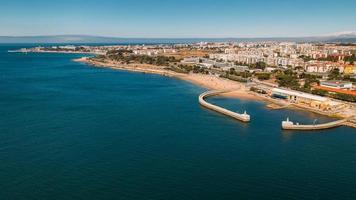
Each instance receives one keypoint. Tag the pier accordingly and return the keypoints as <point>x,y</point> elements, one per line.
<point>244,117</point>
<point>289,125</point>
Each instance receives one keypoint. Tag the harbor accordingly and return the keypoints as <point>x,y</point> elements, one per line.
<point>286,125</point>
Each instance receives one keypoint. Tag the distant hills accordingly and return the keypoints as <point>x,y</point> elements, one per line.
<point>345,37</point>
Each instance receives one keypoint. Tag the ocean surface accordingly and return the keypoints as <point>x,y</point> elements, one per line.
<point>73,131</point>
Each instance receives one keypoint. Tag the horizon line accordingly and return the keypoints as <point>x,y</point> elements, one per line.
<point>189,37</point>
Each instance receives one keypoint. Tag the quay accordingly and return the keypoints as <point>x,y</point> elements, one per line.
<point>244,117</point>
<point>289,125</point>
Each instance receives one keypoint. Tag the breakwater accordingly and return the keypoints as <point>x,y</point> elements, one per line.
<point>244,117</point>
<point>289,125</point>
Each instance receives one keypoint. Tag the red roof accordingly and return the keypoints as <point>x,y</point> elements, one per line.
<point>351,92</point>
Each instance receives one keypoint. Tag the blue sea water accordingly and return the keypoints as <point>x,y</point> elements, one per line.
<point>73,131</point>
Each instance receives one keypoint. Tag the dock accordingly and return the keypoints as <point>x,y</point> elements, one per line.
<point>244,117</point>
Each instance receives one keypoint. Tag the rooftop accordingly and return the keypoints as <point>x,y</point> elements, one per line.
<point>300,94</point>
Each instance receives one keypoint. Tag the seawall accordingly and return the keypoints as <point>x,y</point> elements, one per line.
<point>244,117</point>
<point>289,125</point>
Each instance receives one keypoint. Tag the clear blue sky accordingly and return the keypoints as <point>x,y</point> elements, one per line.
<point>177,18</point>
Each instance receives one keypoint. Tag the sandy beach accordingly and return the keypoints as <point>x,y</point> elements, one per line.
<point>210,82</point>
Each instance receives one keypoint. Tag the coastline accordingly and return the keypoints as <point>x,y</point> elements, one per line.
<point>209,82</point>
<point>59,52</point>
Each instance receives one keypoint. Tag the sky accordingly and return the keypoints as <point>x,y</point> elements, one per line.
<point>177,18</point>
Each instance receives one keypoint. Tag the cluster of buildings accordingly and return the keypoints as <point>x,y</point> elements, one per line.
<point>153,51</point>
<point>342,87</point>
<point>323,67</point>
<point>67,48</point>
<point>302,99</point>
<point>307,100</point>
<point>310,57</point>
<point>214,65</point>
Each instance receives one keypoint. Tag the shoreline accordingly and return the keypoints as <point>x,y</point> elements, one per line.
<point>209,82</point>
<point>59,52</point>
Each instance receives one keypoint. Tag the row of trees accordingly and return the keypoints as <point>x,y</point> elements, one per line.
<point>344,97</point>
<point>290,79</point>
<point>263,76</point>
<point>329,58</point>
<point>258,65</point>
<point>127,57</point>
<point>340,96</point>
<point>188,68</point>
<point>244,74</point>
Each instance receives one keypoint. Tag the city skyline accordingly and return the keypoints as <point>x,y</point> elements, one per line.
<point>177,19</point>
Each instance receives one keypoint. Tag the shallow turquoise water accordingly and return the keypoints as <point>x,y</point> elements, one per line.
<point>71,131</point>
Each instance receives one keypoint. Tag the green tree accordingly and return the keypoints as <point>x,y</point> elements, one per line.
<point>319,92</point>
<point>309,80</point>
<point>260,65</point>
<point>334,74</point>
<point>306,58</point>
<point>287,80</point>
<point>350,59</point>
<point>263,76</point>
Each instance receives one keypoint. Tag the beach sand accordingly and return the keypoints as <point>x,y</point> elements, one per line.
<point>210,82</point>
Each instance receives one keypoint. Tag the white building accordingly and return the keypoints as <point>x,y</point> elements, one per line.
<point>337,84</point>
